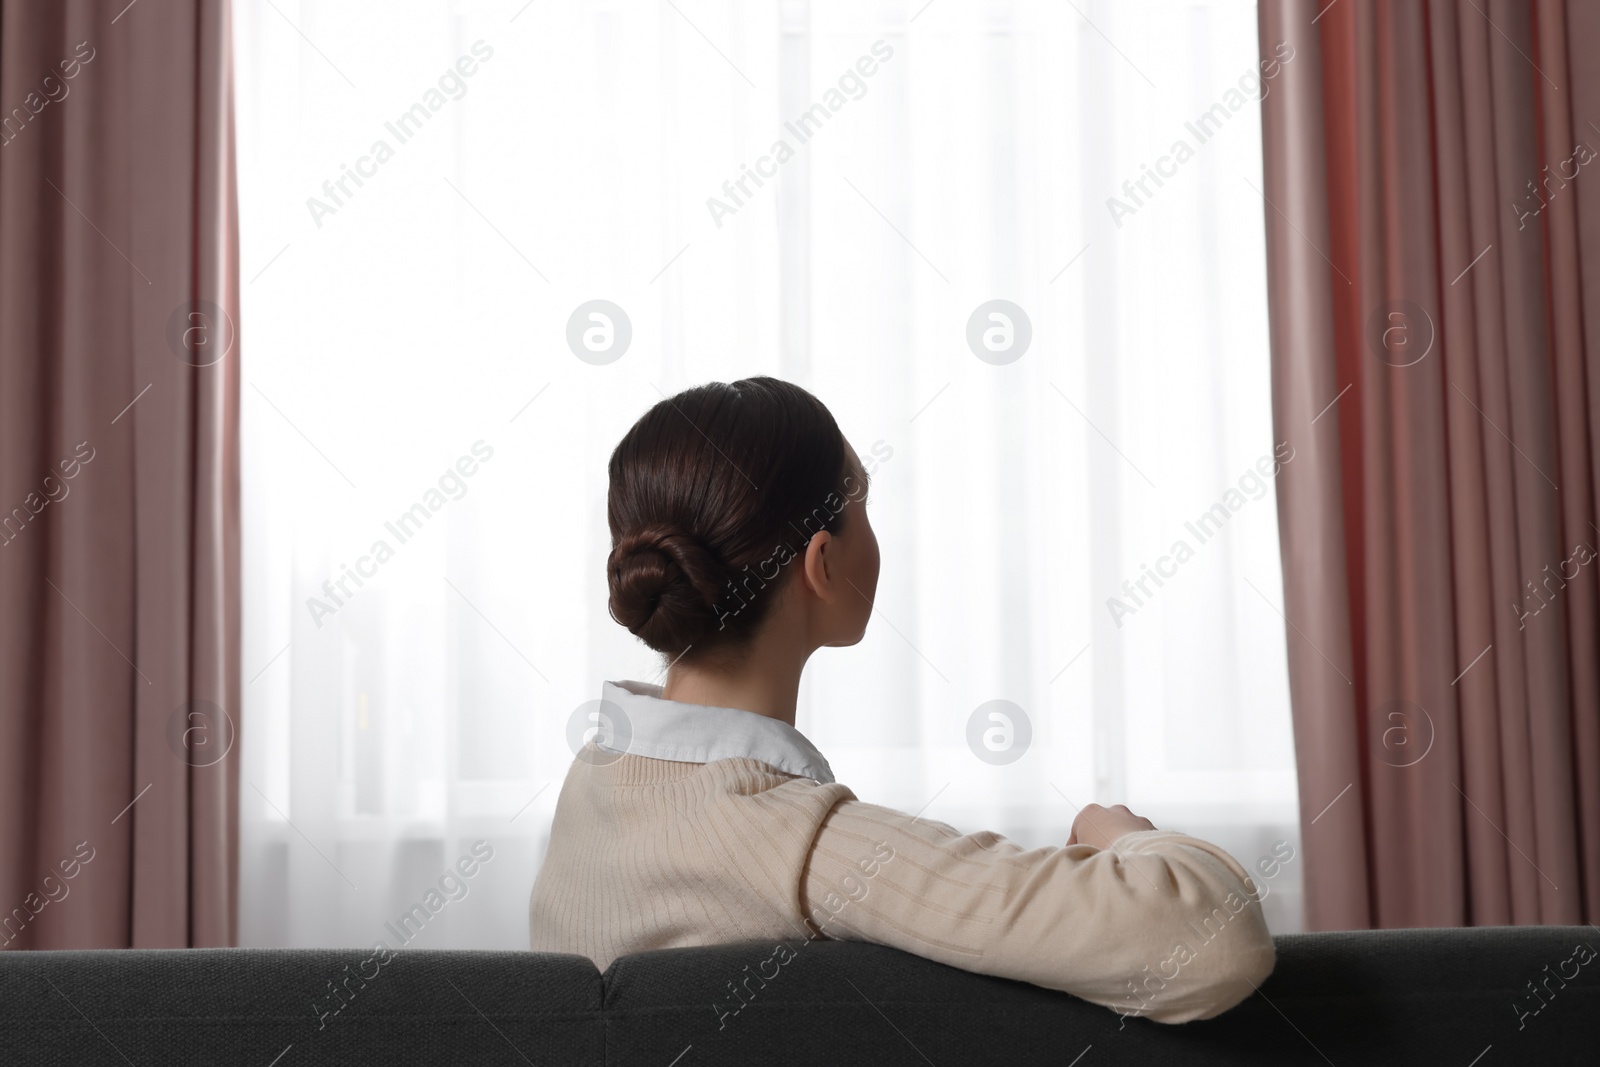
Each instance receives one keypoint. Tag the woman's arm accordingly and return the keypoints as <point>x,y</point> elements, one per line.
<point>1159,924</point>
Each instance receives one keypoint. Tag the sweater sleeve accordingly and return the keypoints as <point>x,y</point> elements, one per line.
<point>1160,925</point>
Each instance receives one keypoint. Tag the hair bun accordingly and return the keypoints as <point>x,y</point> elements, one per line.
<point>664,586</point>
<point>694,534</point>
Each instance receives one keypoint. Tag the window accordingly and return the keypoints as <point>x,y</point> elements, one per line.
<point>830,192</point>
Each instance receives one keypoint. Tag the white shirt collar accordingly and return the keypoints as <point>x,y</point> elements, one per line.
<point>700,733</point>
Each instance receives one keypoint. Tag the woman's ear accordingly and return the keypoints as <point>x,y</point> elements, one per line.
<point>816,564</point>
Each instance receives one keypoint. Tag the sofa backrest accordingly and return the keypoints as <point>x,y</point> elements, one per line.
<point>1473,998</point>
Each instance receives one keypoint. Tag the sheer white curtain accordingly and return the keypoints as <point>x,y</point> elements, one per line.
<point>431,190</point>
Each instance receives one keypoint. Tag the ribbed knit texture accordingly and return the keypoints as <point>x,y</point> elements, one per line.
<point>647,854</point>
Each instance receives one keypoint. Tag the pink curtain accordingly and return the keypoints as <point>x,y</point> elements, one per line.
<point>119,475</point>
<point>1432,178</point>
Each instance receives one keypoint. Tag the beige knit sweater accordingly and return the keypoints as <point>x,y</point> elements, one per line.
<point>649,853</point>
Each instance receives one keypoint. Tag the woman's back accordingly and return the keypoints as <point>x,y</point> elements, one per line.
<point>648,853</point>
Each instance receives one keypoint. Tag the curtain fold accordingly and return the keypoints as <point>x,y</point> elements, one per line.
<point>1433,221</point>
<point>119,489</point>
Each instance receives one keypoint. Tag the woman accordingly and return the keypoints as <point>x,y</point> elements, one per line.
<point>700,815</point>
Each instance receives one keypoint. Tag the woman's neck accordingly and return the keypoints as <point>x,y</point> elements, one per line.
<point>765,684</point>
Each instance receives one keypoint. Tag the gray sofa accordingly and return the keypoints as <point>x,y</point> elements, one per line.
<point>1469,998</point>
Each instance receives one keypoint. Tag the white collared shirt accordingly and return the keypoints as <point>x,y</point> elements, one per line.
<point>652,726</point>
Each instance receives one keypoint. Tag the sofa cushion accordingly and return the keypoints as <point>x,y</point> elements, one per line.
<point>271,1006</point>
<point>1396,996</point>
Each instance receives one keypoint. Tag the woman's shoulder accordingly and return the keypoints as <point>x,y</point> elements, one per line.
<point>748,776</point>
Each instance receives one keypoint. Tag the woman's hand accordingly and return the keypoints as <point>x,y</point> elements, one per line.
<point>1099,826</point>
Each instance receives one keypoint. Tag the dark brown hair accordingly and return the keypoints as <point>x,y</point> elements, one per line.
<point>712,492</point>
